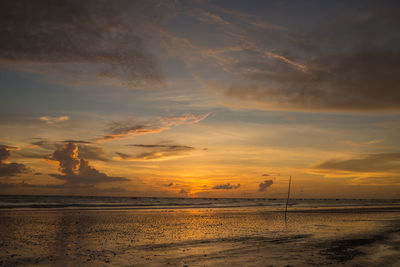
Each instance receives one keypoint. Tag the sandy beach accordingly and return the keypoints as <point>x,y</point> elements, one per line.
<point>199,237</point>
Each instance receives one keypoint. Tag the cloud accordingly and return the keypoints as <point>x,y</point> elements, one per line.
<point>87,149</point>
<point>348,64</point>
<point>76,170</point>
<point>169,147</point>
<point>226,186</point>
<point>357,82</point>
<point>300,67</point>
<point>183,191</point>
<point>92,152</point>
<point>77,141</point>
<point>102,35</point>
<point>262,187</point>
<point>123,155</point>
<point>52,120</point>
<point>376,181</point>
<point>67,156</point>
<point>209,17</point>
<point>380,162</point>
<point>9,169</point>
<point>154,152</point>
<point>368,169</point>
<point>45,144</point>
<point>120,130</point>
<point>363,144</point>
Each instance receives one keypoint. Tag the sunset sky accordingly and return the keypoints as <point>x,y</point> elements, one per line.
<point>200,98</point>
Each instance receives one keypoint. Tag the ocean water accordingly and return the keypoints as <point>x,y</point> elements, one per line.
<point>96,202</point>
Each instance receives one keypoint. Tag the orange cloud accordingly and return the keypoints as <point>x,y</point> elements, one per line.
<point>52,120</point>
<point>120,130</point>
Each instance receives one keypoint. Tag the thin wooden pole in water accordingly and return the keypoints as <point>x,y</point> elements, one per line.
<point>288,196</point>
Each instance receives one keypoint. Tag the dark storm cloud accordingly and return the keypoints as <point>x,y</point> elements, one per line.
<point>9,169</point>
<point>262,187</point>
<point>383,162</point>
<point>226,186</point>
<point>349,62</point>
<point>76,170</point>
<point>98,33</point>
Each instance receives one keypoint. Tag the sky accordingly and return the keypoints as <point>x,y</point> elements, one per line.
<point>200,98</point>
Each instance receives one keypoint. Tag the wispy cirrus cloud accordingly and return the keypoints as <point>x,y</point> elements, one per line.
<point>119,130</point>
<point>373,142</point>
<point>52,120</point>
<point>347,63</point>
<point>379,162</point>
<point>156,152</point>
<point>366,169</point>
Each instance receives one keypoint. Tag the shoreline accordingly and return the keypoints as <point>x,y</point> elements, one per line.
<point>172,208</point>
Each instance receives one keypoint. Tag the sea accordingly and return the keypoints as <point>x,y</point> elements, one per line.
<point>103,202</point>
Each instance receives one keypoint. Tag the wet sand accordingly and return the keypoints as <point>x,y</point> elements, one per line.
<point>199,237</point>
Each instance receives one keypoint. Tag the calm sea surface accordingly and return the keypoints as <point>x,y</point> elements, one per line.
<point>78,202</point>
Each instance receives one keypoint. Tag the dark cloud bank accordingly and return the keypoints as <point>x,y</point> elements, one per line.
<point>349,62</point>
<point>96,33</point>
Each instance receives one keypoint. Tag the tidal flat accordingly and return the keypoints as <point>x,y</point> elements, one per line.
<point>239,236</point>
